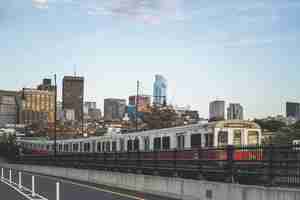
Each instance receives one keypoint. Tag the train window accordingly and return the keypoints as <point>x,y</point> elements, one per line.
<point>147,144</point>
<point>93,146</point>
<point>222,138</point>
<point>48,147</point>
<point>157,143</point>
<point>103,146</point>
<point>122,145</point>
<point>114,146</point>
<point>180,142</point>
<point>99,146</point>
<point>60,147</point>
<point>136,144</point>
<point>129,145</point>
<point>237,137</point>
<point>108,146</point>
<point>196,140</point>
<point>86,147</point>
<point>252,137</point>
<point>66,147</point>
<point>166,143</point>
<point>209,139</point>
<point>75,147</point>
<point>80,147</point>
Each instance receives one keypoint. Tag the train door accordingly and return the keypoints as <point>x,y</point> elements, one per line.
<point>180,141</point>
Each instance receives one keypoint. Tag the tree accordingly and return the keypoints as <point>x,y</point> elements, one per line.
<point>270,125</point>
<point>161,117</point>
<point>215,119</point>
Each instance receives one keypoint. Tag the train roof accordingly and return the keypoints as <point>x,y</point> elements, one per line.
<point>210,125</point>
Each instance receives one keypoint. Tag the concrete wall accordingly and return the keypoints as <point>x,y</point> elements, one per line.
<point>169,187</point>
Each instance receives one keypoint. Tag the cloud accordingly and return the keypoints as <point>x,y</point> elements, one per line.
<point>40,4</point>
<point>149,11</point>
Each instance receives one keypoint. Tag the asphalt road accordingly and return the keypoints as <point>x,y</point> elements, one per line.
<point>46,186</point>
<point>8,193</point>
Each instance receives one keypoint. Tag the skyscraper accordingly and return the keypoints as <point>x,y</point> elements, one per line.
<point>159,90</point>
<point>73,94</point>
<point>217,110</point>
<point>235,111</point>
<point>144,102</point>
<point>89,105</point>
<point>114,109</point>
<point>293,110</point>
<point>9,106</point>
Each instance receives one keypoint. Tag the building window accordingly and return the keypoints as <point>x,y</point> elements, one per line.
<point>180,142</point>
<point>166,143</point>
<point>222,138</point>
<point>157,144</point>
<point>136,144</point>
<point>252,137</point>
<point>147,144</point>
<point>237,137</point>
<point>196,140</point>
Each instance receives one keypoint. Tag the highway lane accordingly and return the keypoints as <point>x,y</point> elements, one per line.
<point>46,186</point>
<point>8,193</point>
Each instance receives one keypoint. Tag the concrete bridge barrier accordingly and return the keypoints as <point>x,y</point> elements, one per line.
<point>167,186</point>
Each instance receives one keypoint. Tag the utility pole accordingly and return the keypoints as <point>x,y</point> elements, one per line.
<point>82,117</point>
<point>55,113</point>
<point>137,105</point>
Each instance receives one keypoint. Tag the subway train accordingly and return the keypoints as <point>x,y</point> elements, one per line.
<point>211,138</point>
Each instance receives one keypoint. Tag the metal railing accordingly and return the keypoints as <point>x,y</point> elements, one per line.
<point>29,193</point>
<point>267,165</point>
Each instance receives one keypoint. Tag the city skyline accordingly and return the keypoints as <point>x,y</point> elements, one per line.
<point>252,60</point>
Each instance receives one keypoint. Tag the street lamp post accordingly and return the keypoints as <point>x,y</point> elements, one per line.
<point>55,113</point>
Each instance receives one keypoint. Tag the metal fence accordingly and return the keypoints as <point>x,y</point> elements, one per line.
<point>267,165</point>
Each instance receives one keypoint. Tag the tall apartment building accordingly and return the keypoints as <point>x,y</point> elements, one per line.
<point>73,95</point>
<point>114,109</point>
<point>293,110</point>
<point>235,111</point>
<point>217,110</point>
<point>9,107</point>
<point>37,106</point>
<point>159,90</point>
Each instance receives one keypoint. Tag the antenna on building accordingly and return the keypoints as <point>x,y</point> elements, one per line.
<point>75,74</point>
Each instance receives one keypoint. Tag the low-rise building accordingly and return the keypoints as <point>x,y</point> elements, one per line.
<point>37,106</point>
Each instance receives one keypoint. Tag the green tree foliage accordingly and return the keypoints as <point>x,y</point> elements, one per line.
<point>215,119</point>
<point>270,125</point>
<point>161,118</point>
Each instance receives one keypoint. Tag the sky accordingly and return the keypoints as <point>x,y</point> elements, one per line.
<point>237,51</point>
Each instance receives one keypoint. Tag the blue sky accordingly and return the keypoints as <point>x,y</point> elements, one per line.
<point>238,51</point>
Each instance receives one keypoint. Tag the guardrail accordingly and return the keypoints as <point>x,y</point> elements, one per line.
<point>29,193</point>
<point>267,165</point>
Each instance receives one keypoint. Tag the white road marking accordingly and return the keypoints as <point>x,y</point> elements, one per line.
<point>87,186</point>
